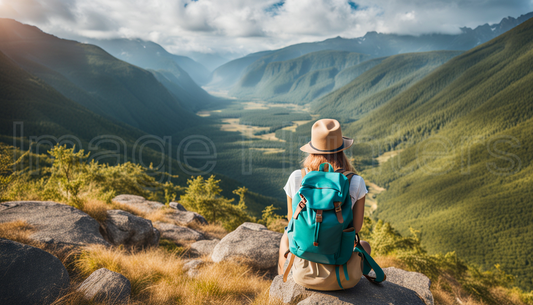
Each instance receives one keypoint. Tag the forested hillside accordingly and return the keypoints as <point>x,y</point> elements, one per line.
<point>150,55</point>
<point>194,98</point>
<point>96,80</point>
<point>383,82</point>
<point>181,75</point>
<point>226,75</point>
<point>44,111</point>
<point>464,176</point>
<point>298,80</point>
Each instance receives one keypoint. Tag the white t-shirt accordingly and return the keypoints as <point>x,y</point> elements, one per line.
<point>357,186</point>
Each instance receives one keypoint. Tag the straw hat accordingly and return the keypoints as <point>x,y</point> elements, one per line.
<point>326,138</point>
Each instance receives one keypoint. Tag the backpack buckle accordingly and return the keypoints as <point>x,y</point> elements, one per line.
<point>301,205</point>
<point>338,211</point>
<point>319,216</point>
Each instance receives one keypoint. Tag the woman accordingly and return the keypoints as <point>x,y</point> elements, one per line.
<point>327,145</point>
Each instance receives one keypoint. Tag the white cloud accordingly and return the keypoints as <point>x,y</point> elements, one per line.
<point>243,26</point>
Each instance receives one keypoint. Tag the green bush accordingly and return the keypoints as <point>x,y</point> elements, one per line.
<point>386,241</point>
<point>65,176</point>
<point>203,196</point>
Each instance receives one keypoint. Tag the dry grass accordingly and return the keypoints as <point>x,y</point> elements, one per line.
<point>278,225</point>
<point>19,231</point>
<point>157,278</point>
<point>506,296</point>
<point>158,215</point>
<point>389,261</point>
<point>73,297</point>
<point>97,209</point>
<point>128,208</point>
<point>161,215</point>
<point>212,230</point>
<point>447,290</point>
<point>226,283</point>
<point>145,269</point>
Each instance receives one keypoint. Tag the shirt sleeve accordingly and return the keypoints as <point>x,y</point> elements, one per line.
<point>290,185</point>
<point>357,189</point>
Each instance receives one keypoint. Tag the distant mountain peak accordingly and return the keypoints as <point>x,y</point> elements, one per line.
<point>371,33</point>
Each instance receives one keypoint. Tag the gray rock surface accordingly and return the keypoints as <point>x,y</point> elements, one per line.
<point>176,233</point>
<point>124,228</point>
<point>139,202</point>
<point>29,275</point>
<point>204,247</point>
<point>401,287</point>
<point>289,291</point>
<point>192,273</point>
<point>107,287</point>
<point>178,206</point>
<point>55,223</point>
<point>192,267</point>
<point>186,218</point>
<point>251,241</point>
<point>194,264</point>
<point>177,213</point>
<point>412,280</point>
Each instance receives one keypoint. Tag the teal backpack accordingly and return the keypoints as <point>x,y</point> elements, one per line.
<point>321,227</point>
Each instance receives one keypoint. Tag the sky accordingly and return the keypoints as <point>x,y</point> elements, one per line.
<point>234,28</point>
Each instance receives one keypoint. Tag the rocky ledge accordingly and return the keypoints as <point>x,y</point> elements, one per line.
<point>401,287</point>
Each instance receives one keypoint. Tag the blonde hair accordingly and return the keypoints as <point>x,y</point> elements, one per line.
<point>337,160</point>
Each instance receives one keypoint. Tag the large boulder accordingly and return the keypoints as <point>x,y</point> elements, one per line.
<point>185,217</point>
<point>204,247</point>
<point>177,206</point>
<point>411,280</point>
<point>251,241</point>
<point>124,228</point>
<point>139,203</point>
<point>176,233</point>
<point>177,212</point>
<point>55,223</point>
<point>192,268</point>
<point>401,287</point>
<point>29,275</point>
<point>105,286</point>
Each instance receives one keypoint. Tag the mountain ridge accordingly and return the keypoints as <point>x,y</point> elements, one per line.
<point>376,45</point>
<point>95,79</point>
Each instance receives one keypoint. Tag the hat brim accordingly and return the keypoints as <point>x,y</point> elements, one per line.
<point>308,148</point>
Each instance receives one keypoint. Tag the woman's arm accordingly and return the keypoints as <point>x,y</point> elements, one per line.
<point>289,208</point>
<point>359,214</point>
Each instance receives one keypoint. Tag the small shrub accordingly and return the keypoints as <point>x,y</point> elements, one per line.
<point>203,196</point>
<point>272,220</point>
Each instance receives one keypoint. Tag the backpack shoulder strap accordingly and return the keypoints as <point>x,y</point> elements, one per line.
<point>370,264</point>
<point>348,174</point>
<point>304,172</point>
<point>303,201</point>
